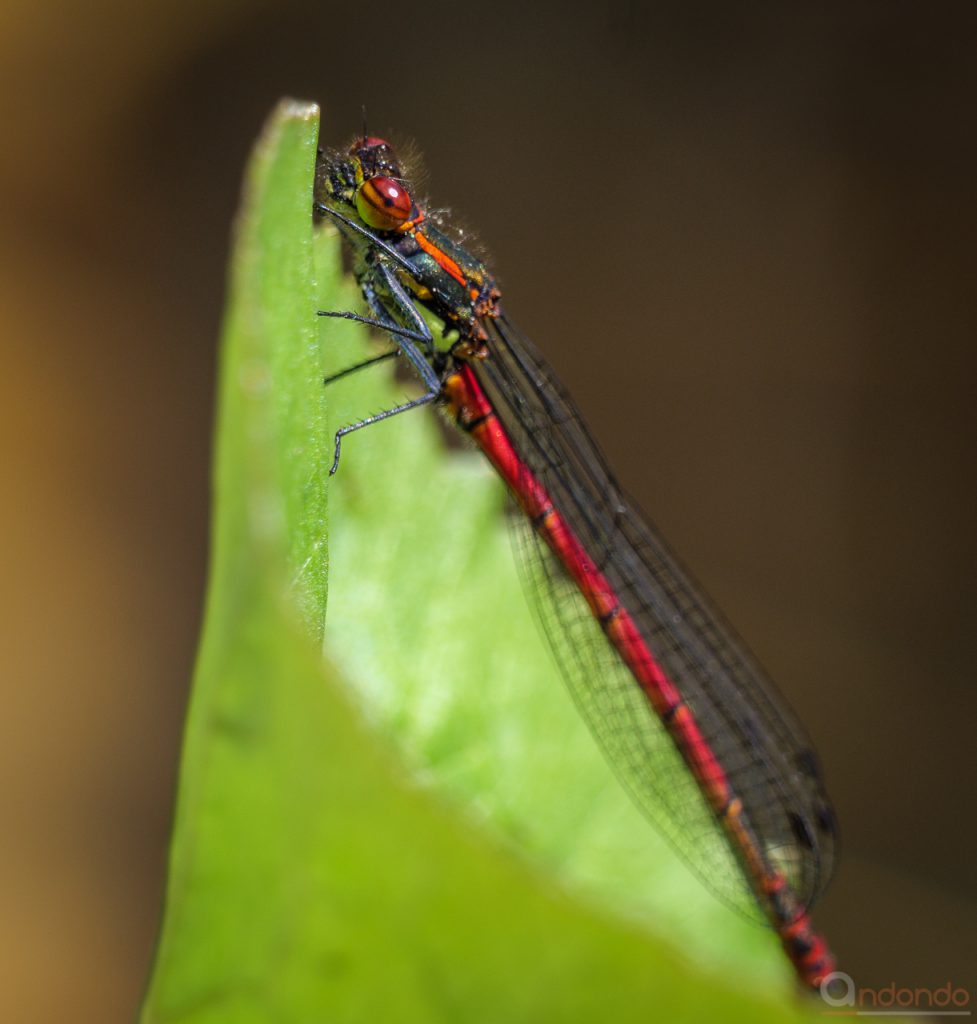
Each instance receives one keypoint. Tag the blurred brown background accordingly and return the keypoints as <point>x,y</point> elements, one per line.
<point>772,210</point>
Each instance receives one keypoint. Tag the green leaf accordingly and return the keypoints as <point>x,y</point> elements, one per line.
<point>394,813</point>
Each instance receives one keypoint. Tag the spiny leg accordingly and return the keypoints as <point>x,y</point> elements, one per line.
<point>391,319</point>
<point>430,396</point>
<point>382,321</point>
<point>361,366</point>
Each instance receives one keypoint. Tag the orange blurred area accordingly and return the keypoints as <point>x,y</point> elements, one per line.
<point>770,211</point>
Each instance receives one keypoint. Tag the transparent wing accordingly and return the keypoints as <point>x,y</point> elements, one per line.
<point>635,743</point>
<point>767,758</point>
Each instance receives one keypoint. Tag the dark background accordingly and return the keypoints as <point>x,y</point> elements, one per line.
<point>746,239</point>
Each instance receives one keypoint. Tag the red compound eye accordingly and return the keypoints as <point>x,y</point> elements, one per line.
<point>367,143</point>
<point>383,203</point>
<point>375,157</point>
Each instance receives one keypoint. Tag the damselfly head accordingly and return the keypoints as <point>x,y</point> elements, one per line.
<point>367,178</point>
<point>383,199</point>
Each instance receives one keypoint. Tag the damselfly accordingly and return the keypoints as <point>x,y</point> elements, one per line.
<point>689,721</point>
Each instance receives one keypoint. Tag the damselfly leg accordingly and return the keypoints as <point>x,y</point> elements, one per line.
<point>409,341</point>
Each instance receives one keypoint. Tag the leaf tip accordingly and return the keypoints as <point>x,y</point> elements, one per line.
<point>289,109</point>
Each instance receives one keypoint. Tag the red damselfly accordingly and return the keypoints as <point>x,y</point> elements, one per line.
<point>689,721</point>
